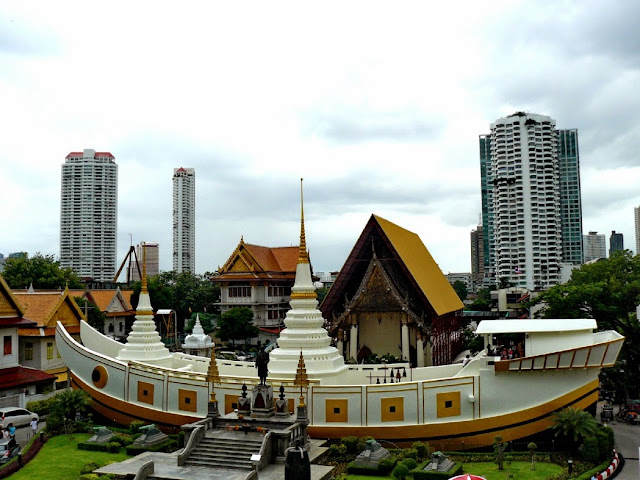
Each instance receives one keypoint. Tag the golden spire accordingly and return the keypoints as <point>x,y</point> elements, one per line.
<point>302,379</point>
<point>144,267</point>
<point>213,375</point>
<point>303,256</point>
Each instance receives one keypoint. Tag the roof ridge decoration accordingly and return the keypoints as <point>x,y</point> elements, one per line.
<point>11,299</point>
<point>243,253</point>
<point>64,296</point>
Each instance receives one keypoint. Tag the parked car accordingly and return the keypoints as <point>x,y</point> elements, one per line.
<point>9,448</point>
<point>225,355</point>
<point>17,416</point>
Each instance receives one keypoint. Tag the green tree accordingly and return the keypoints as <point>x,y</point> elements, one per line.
<point>237,324</point>
<point>532,450</point>
<point>41,271</point>
<point>400,472</point>
<point>574,425</point>
<point>498,451</point>
<point>484,302</point>
<point>321,292</point>
<point>607,291</point>
<point>461,289</point>
<point>95,317</point>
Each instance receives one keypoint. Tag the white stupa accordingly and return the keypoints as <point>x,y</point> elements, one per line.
<point>144,343</point>
<point>304,324</point>
<point>198,342</point>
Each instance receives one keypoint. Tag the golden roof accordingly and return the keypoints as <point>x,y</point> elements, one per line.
<point>256,260</point>
<point>47,308</point>
<point>422,267</point>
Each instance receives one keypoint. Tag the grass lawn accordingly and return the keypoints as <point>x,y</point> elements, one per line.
<point>519,470</point>
<point>489,470</point>
<point>60,459</point>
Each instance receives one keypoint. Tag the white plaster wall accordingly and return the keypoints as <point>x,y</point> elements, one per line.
<point>11,359</point>
<point>546,342</point>
<point>411,402</point>
<point>432,388</point>
<point>383,337</point>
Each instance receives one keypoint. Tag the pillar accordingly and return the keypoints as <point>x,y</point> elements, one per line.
<point>419,350</point>
<point>353,342</point>
<point>340,342</point>
<point>405,340</point>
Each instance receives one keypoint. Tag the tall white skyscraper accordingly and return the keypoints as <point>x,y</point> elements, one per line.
<point>595,246</point>
<point>636,216</point>
<point>530,195</point>
<point>184,219</point>
<point>89,214</point>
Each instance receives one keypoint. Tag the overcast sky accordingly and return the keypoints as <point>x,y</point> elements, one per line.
<point>378,105</point>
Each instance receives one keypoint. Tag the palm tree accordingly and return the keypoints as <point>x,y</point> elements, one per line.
<point>574,425</point>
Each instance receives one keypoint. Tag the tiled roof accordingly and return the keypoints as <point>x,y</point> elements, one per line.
<point>277,259</point>
<point>127,297</point>
<point>17,377</point>
<point>102,298</point>
<point>39,306</point>
<point>98,154</point>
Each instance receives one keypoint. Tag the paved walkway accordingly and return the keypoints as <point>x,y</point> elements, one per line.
<point>628,444</point>
<point>166,467</point>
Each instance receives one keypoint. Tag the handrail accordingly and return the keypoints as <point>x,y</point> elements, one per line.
<point>194,439</point>
<point>265,452</point>
<point>144,471</point>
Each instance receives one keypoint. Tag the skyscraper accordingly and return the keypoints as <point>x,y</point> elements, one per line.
<point>152,258</point>
<point>477,258</point>
<point>570,198</point>
<point>184,219</point>
<point>89,214</point>
<point>531,207</point>
<point>616,242</point>
<point>595,246</point>
<point>636,216</point>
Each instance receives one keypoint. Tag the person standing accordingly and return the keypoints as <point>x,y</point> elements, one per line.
<point>34,425</point>
<point>12,430</point>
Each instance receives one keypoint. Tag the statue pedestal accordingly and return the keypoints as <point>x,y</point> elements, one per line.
<point>262,402</point>
<point>244,405</point>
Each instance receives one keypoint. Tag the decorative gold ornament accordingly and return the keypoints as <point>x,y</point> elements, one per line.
<point>302,379</point>
<point>213,375</point>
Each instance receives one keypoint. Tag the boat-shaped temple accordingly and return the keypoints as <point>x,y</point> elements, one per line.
<point>454,406</point>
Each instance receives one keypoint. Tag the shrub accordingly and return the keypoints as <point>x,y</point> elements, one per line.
<point>420,474</point>
<point>422,449</point>
<point>135,426</point>
<point>605,442</point>
<point>41,407</point>
<point>410,453</point>
<point>590,451</point>
<point>89,476</point>
<point>400,471</point>
<point>107,476</point>
<point>89,467</point>
<point>337,450</point>
<point>113,447</point>
<point>410,463</point>
<point>362,443</point>
<point>385,465</point>
<point>351,443</point>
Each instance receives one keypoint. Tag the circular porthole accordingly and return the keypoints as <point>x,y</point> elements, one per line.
<point>99,376</point>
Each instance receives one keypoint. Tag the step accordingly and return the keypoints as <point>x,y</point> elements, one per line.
<point>221,458</point>
<point>220,464</point>
<point>201,454</point>
<point>231,448</point>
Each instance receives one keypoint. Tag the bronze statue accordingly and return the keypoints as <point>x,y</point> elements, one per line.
<point>262,360</point>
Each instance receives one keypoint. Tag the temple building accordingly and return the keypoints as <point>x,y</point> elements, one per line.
<point>259,278</point>
<point>16,380</point>
<point>392,298</point>
<point>38,347</point>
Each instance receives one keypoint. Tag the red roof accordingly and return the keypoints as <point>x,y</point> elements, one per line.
<point>16,377</point>
<point>98,154</point>
<point>16,322</point>
<point>181,169</point>
<point>275,330</point>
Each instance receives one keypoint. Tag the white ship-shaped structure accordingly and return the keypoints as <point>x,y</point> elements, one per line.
<point>457,406</point>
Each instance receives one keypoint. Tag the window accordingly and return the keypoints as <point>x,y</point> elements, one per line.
<point>240,291</point>
<point>49,350</point>
<point>28,351</point>
<point>7,344</point>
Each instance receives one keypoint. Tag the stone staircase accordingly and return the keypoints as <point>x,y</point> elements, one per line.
<point>225,452</point>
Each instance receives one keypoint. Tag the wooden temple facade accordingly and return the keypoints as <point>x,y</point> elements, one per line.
<point>391,298</point>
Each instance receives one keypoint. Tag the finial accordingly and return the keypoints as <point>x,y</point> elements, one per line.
<point>144,268</point>
<point>213,375</point>
<point>301,379</point>
<point>303,256</point>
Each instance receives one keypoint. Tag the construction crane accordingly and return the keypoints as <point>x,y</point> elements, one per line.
<point>128,256</point>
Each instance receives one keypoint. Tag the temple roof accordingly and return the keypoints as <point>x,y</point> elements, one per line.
<point>405,257</point>
<point>47,308</point>
<point>252,261</point>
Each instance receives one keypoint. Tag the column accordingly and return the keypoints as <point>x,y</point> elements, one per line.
<point>419,350</point>
<point>340,342</point>
<point>405,339</point>
<point>353,342</point>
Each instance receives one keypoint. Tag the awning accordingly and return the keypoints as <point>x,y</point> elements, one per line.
<point>62,377</point>
<point>274,330</point>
